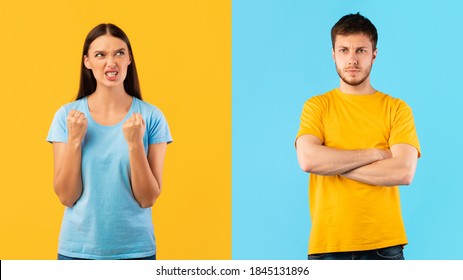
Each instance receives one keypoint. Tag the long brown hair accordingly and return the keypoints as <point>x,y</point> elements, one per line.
<point>87,84</point>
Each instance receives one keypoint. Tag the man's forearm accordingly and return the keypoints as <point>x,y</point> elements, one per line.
<point>398,170</point>
<point>315,158</point>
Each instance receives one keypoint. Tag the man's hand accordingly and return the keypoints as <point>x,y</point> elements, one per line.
<point>318,159</point>
<point>396,170</point>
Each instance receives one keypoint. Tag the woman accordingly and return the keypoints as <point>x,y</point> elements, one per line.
<point>109,149</point>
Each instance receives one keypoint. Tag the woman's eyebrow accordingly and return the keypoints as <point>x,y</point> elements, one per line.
<point>121,49</point>
<point>118,50</point>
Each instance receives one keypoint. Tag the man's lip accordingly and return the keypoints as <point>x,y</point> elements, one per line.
<point>352,71</point>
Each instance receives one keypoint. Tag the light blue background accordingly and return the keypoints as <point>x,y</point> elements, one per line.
<point>282,56</point>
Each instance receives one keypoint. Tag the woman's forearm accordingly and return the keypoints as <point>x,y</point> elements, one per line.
<point>146,188</point>
<point>68,172</point>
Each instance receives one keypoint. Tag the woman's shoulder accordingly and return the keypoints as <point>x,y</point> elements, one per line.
<point>145,108</point>
<point>78,105</point>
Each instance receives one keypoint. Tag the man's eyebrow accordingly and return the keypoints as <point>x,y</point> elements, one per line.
<point>346,47</point>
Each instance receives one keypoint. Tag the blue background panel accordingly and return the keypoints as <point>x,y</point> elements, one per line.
<point>282,57</point>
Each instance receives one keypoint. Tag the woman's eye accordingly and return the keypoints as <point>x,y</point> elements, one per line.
<point>99,55</point>
<point>120,53</point>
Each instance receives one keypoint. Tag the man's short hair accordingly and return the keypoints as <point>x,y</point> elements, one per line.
<point>354,24</point>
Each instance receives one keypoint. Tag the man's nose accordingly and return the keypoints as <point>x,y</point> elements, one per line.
<point>353,60</point>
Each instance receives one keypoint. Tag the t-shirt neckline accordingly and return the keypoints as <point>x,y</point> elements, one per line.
<point>359,97</point>
<point>89,116</point>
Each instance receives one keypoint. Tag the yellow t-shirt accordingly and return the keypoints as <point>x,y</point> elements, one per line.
<point>348,215</point>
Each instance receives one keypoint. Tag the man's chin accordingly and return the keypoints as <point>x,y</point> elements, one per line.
<point>353,83</point>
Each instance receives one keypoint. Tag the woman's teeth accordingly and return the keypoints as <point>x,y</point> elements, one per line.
<point>111,74</point>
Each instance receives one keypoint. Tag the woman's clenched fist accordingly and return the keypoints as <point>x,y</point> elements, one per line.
<point>134,129</point>
<point>77,126</point>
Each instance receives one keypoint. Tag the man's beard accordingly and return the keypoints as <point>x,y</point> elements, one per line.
<point>354,81</point>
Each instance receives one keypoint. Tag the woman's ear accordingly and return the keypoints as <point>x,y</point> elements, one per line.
<point>86,62</point>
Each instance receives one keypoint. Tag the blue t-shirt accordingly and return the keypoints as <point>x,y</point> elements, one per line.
<point>107,222</point>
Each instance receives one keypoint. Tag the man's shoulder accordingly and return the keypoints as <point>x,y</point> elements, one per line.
<point>321,100</point>
<point>323,96</point>
<point>396,101</point>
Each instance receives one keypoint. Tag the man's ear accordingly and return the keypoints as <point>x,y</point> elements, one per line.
<point>374,55</point>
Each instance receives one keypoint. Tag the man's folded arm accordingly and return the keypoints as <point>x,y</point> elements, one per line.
<point>318,159</point>
<point>397,170</point>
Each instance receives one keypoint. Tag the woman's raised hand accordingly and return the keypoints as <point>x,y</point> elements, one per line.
<point>134,129</point>
<point>77,126</point>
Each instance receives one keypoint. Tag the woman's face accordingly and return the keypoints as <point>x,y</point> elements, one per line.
<point>108,57</point>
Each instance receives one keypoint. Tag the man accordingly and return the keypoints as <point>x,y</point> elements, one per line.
<point>359,144</point>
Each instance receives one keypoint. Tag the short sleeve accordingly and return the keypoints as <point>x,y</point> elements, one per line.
<point>158,129</point>
<point>312,119</point>
<point>403,127</point>
<point>58,128</point>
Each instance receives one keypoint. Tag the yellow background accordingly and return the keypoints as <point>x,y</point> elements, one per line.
<point>183,53</point>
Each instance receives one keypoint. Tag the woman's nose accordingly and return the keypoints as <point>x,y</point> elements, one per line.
<point>110,60</point>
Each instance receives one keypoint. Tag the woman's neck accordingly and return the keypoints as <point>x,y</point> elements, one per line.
<point>109,100</point>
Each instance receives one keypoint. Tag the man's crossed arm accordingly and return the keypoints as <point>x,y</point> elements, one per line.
<point>372,166</point>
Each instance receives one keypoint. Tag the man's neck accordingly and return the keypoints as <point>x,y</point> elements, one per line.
<point>363,88</point>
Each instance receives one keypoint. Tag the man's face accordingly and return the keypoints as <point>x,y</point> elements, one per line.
<point>354,56</point>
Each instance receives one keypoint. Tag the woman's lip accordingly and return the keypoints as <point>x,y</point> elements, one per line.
<point>111,78</point>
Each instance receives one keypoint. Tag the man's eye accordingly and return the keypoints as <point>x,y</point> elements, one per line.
<point>361,51</point>
<point>343,50</point>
